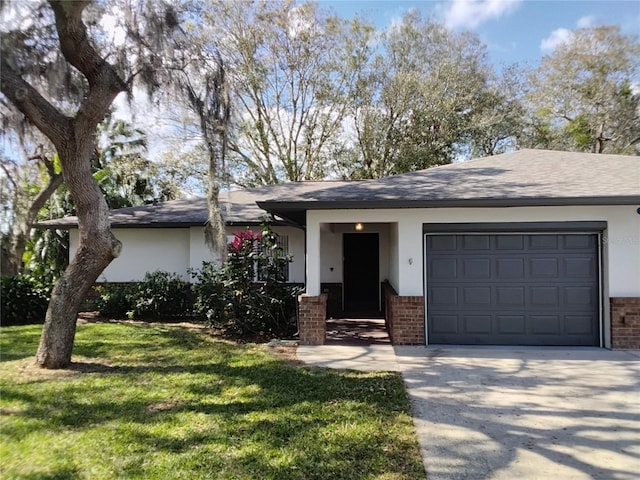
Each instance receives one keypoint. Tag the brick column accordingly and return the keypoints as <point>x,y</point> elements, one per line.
<point>407,320</point>
<point>312,312</point>
<point>625,322</point>
<point>404,317</point>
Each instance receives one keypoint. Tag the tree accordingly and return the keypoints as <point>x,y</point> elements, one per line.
<point>415,103</point>
<point>291,68</point>
<point>208,100</point>
<point>25,191</point>
<point>498,120</point>
<point>55,72</point>
<point>584,95</point>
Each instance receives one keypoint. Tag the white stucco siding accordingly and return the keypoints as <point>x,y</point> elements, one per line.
<point>178,250</point>
<point>330,255</point>
<point>621,244</point>
<point>394,267</point>
<point>145,250</point>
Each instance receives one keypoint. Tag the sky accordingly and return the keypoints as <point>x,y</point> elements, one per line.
<point>513,30</point>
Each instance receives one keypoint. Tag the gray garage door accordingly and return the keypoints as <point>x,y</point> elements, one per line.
<point>512,289</point>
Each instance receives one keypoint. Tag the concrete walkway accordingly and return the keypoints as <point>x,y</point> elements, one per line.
<point>367,358</point>
<point>513,413</point>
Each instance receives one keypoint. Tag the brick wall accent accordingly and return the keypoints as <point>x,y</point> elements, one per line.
<point>312,313</point>
<point>404,317</point>
<point>625,322</point>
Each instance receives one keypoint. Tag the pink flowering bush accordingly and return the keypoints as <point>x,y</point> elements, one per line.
<point>248,293</point>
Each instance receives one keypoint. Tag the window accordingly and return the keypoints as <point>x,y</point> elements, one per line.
<point>267,256</point>
<point>282,242</point>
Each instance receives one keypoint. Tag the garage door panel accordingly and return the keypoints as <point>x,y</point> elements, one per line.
<point>509,268</point>
<point>579,325</point>
<point>510,324</point>
<point>476,242</point>
<point>580,297</point>
<point>474,324</point>
<point>545,324</point>
<point>544,268</point>
<point>474,296</point>
<point>444,324</point>
<point>544,296</point>
<point>543,242</point>
<point>476,268</point>
<point>442,243</point>
<point>444,296</point>
<point>579,267</point>
<point>510,296</point>
<point>509,242</point>
<point>444,268</point>
<point>526,289</point>
<point>579,242</point>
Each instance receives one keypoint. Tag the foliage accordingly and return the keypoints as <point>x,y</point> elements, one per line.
<point>247,294</point>
<point>116,299</point>
<point>160,294</point>
<point>23,300</point>
<point>164,402</point>
<point>419,98</point>
<point>47,254</point>
<point>582,96</point>
<point>292,67</point>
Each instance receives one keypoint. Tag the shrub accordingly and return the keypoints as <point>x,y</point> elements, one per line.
<point>116,299</point>
<point>160,294</point>
<point>23,300</point>
<point>247,294</point>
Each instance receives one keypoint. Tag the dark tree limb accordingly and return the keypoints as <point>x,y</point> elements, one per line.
<point>47,118</point>
<point>104,82</point>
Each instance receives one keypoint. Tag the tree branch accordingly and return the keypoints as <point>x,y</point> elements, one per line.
<point>47,118</point>
<point>104,82</point>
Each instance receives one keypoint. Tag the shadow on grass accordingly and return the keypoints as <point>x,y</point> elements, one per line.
<point>173,391</point>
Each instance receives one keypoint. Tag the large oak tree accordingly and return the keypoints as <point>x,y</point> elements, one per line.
<point>62,68</point>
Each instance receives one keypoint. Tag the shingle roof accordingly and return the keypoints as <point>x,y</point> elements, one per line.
<point>238,208</point>
<point>523,177</point>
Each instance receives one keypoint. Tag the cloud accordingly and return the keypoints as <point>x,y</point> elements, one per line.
<point>471,13</point>
<point>557,37</point>
<point>564,35</point>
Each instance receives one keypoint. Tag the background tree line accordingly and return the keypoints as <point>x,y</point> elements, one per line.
<point>315,95</point>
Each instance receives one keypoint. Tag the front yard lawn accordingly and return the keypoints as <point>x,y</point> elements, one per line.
<point>158,401</point>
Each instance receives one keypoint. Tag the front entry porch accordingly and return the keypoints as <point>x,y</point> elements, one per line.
<point>402,324</point>
<point>356,331</point>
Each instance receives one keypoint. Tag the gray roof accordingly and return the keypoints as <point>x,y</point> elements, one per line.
<point>524,177</point>
<point>238,208</point>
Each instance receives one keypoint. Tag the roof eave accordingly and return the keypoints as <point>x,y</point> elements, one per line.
<point>270,205</point>
<point>293,210</point>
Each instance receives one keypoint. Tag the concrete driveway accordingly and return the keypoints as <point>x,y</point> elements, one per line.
<point>525,413</point>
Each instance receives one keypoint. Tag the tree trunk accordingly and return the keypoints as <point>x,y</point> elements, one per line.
<point>97,247</point>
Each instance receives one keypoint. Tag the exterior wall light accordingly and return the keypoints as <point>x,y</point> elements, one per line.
<point>359,227</point>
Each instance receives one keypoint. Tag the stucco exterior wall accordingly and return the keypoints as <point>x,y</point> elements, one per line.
<point>621,242</point>
<point>145,250</point>
<point>178,250</point>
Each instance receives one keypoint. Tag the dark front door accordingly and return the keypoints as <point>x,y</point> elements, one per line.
<point>361,276</point>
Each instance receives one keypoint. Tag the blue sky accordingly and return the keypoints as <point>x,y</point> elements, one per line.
<point>513,30</point>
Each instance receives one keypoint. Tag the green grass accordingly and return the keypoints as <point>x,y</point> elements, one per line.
<point>154,401</point>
